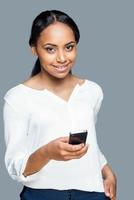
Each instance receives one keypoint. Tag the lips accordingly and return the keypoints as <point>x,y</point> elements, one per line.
<point>61,68</point>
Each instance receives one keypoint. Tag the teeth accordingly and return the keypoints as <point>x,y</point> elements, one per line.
<point>61,67</point>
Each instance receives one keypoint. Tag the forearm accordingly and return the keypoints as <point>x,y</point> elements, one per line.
<point>107,172</point>
<point>36,161</point>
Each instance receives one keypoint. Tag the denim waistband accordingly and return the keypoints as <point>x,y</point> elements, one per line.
<point>54,194</point>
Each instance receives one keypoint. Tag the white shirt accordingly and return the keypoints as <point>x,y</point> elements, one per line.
<point>33,117</point>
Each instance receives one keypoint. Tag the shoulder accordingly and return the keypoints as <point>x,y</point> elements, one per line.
<point>95,88</point>
<point>17,91</point>
<point>13,92</point>
<point>16,97</point>
<point>16,101</point>
<point>95,93</point>
<point>92,85</point>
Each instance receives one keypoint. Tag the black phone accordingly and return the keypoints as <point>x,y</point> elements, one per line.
<point>78,137</point>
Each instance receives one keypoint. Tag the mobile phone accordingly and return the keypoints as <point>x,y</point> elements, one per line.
<point>78,137</point>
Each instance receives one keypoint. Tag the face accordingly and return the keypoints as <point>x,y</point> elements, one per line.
<point>56,50</point>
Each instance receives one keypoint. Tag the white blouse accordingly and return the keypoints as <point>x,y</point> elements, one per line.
<point>33,117</point>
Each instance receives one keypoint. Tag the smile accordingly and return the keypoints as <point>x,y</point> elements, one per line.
<point>61,68</point>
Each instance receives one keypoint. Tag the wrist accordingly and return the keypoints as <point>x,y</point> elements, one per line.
<point>110,177</point>
<point>44,153</point>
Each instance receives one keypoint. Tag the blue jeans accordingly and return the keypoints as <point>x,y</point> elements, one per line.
<point>52,194</point>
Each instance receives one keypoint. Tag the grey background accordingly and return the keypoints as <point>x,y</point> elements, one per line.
<point>105,55</point>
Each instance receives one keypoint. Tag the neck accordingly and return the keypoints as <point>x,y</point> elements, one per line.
<point>54,82</point>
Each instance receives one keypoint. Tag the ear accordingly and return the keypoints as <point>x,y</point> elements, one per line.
<point>33,49</point>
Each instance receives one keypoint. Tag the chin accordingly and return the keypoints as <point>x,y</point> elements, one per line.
<point>61,75</point>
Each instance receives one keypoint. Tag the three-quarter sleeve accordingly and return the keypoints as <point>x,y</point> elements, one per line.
<point>17,144</point>
<point>100,96</point>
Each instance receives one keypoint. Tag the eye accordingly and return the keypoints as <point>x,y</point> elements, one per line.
<point>50,49</point>
<point>69,47</point>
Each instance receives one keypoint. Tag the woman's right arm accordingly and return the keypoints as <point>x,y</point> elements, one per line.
<point>19,159</point>
<point>36,161</point>
<point>58,149</point>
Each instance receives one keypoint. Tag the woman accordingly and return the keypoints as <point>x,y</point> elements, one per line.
<point>40,113</point>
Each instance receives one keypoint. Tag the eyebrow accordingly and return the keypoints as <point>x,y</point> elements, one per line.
<point>56,45</point>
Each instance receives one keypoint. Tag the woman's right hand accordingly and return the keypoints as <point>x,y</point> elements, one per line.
<point>60,149</point>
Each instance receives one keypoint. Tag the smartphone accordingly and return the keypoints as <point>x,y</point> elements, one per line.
<point>78,137</point>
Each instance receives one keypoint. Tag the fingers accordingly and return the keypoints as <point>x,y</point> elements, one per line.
<point>73,148</point>
<point>112,192</point>
<point>64,139</point>
<point>107,189</point>
<point>69,147</point>
<point>64,143</point>
<point>110,189</point>
<point>76,154</point>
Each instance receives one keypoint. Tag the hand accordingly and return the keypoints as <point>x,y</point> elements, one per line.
<point>109,181</point>
<point>110,187</point>
<point>60,149</point>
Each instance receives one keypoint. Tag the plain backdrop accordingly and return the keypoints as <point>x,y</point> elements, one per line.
<point>105,55</point>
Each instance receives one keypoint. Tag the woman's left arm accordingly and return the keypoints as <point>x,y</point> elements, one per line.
<point>109,178</point>
<point>109,181</point>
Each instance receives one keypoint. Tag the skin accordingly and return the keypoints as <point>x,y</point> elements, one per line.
<point>55,47</point>
<point>109,182</point>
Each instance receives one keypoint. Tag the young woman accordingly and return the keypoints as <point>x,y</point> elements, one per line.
<point>40,113</point>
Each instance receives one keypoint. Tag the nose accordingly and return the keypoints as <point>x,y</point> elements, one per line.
<point>61,57</point>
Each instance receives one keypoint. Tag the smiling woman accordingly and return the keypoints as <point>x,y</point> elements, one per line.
<point>40,113</point>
